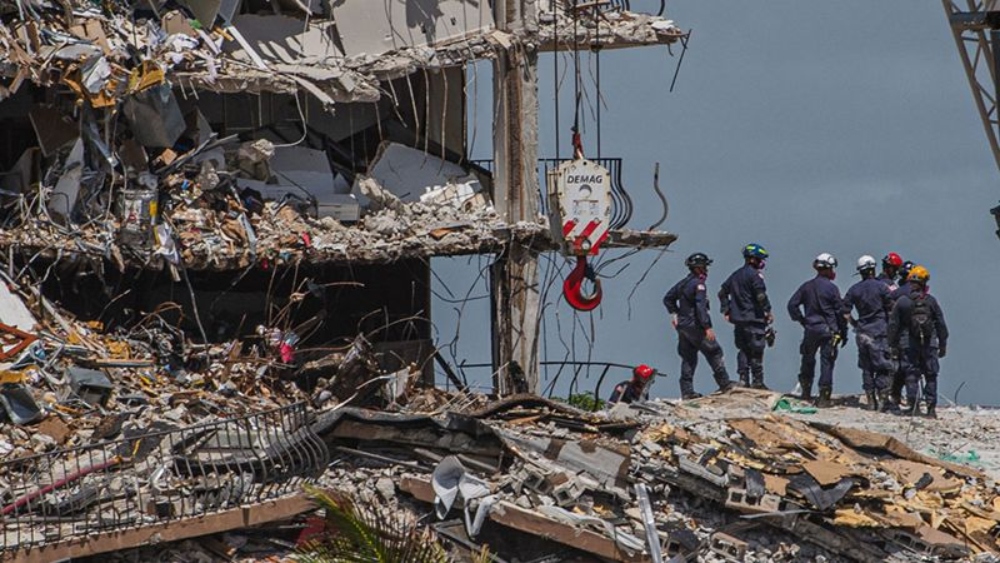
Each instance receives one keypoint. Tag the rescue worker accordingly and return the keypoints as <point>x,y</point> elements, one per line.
<point>870,298</point>
<point>904,274</point>
<point>688,305</point>
<point>816,305</point>
<point>891,263</point>
<point>635,389</point>
<point>919,316</point>
<point>744,303</point>
<point>898,376</point>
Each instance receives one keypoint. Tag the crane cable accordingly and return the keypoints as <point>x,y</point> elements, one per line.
<point>577,90</point>
<point>573,289</point>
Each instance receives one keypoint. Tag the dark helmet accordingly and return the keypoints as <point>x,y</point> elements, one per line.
<point>754,250</point>
<point>698,259</point>
<point>904,270</point>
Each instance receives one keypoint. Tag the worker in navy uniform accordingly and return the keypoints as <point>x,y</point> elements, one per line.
<point>687,303</point>
<point>899,375</point>
<point>904,275</point>
<point>636,389</point>
<point>816,305</point>
<point>891,264</point>
<point>870,298</point>
<point>918,315</point>
<point>744,303</point>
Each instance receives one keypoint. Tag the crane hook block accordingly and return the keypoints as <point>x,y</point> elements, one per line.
<point>573,287</point>
<point>580,206</point>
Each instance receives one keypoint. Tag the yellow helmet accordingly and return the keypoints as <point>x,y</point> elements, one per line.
<point>918,274</point>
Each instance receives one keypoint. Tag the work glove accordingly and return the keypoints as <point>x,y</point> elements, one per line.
<point>843,338</point>
<point>942,351</point>
<point>769,335</point>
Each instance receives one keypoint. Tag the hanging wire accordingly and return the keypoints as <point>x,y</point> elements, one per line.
<point>597,56</point>
<point>680,61</point>
<point>555,69</point>
<point>577,86</point>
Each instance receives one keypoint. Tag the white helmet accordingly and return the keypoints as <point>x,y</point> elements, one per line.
<point>866,262</point>
<point>825,261</point>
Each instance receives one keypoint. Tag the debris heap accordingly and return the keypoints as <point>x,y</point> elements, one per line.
<point>108,445</point>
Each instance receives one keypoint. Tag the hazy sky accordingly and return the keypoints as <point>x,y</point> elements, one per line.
<point>844,127</point>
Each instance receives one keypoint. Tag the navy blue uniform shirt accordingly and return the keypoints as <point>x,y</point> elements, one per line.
<point>821,300</point>
<point>744,296</point>
<point>889,281</point>
<point>687,299</point>
<point>871,299</point>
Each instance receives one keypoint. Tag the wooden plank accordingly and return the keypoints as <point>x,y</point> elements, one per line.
<point>513,516</point>
<point>420,489</point>
<point>237,518</point>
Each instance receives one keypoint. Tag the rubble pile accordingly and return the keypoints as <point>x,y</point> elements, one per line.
<point>655,481</point>
<point>707,482</point>
<point>220,206</point>
<point>109,430</point>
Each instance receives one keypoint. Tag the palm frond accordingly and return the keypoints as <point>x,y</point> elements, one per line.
<point>368,534</point>
<point>484,555</point>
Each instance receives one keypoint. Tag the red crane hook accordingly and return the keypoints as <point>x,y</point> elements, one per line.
<point>573,287</point>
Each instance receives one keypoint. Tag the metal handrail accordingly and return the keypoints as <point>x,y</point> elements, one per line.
<point>149,477</point>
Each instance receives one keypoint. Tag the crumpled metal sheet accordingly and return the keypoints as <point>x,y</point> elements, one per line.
<point>155,117</point>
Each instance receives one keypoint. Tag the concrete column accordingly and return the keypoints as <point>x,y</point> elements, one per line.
<point>514,274</point>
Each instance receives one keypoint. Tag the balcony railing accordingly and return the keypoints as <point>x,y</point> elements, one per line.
<point>149,478</point>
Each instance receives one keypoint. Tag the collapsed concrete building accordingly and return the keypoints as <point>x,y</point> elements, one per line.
<point>218,218</point>
<point>146,147</point>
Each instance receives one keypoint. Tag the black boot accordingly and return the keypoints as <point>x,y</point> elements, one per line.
<point>931,411</point>
<point>872,401</point>
<point>759,384</point>
<point>824,401</point>
<point>885,403</point>
<point>896,395</point>
<point>807,389</point>
<point>744,380</point>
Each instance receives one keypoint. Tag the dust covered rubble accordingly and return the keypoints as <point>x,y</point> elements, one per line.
<point>726,478</point>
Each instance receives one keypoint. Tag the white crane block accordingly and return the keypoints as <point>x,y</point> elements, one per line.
<point>580,205</point>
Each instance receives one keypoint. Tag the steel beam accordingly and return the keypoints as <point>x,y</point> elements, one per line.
<point>970,26</point>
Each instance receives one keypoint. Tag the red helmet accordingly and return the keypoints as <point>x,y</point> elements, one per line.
<point>892,259</point>
<point>642,371</point>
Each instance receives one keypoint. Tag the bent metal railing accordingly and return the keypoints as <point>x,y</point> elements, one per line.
<point>155,475</point>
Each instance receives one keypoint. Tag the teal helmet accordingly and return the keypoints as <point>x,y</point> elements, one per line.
<point>754,250</point>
